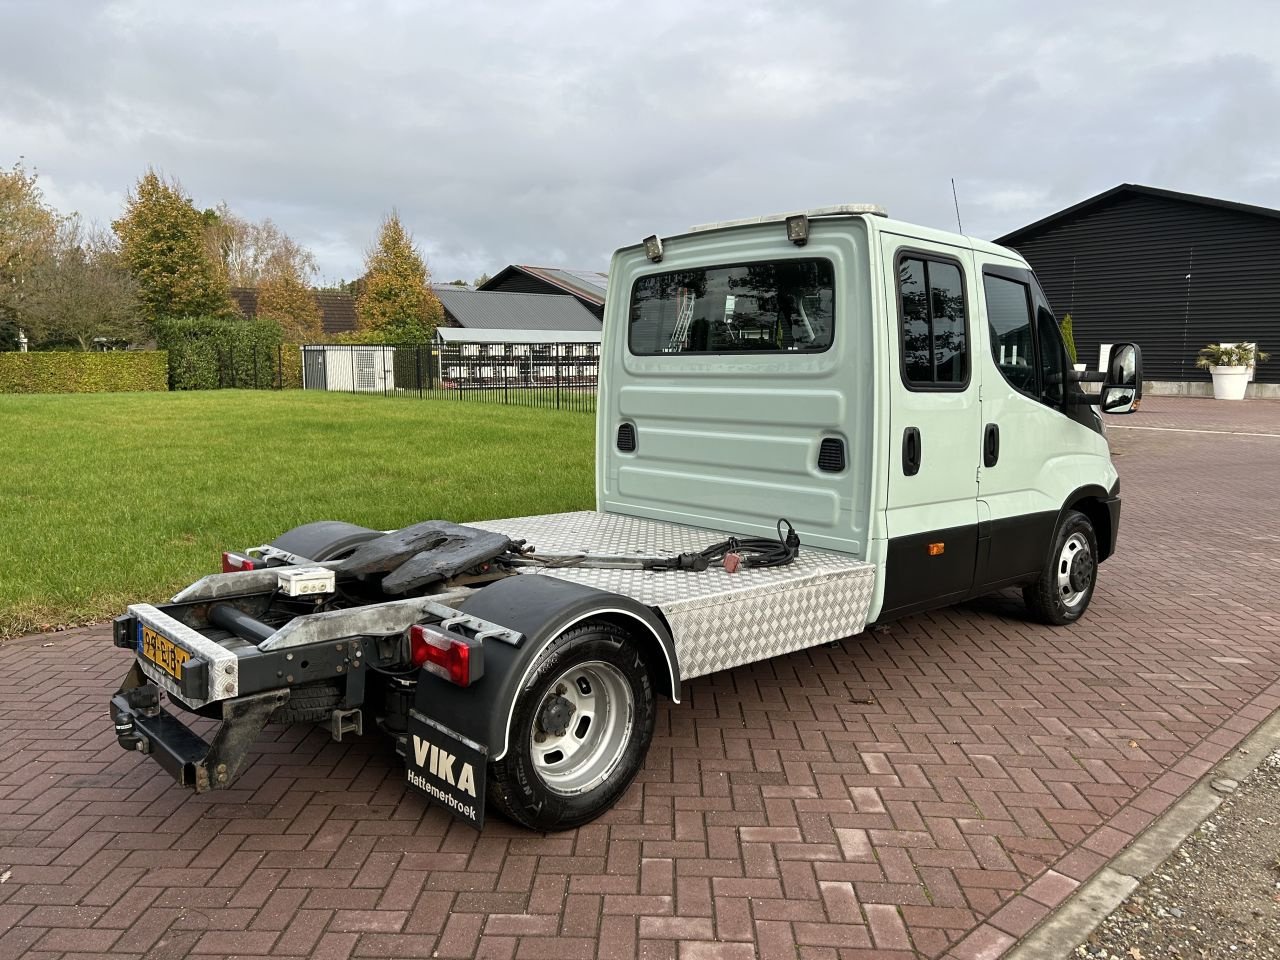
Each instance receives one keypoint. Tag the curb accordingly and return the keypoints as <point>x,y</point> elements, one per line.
<point>1057,936</point>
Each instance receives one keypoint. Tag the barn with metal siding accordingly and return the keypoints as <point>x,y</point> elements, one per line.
<point>1171,271</point>
<point>586,286</point>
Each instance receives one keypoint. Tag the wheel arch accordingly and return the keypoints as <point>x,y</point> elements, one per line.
<point>542,608</point>
<point>1091,500</point>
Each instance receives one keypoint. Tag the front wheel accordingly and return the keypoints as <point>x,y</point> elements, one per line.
<point>1062,592</point>
<point>581,727</point>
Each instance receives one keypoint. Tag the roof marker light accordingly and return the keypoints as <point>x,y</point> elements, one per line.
<point>798,229</point>
<point>653,248</point>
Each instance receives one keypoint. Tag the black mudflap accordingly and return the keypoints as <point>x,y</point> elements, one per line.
<point>447,768</point>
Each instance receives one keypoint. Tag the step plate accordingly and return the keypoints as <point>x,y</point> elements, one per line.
<point>718,620</point>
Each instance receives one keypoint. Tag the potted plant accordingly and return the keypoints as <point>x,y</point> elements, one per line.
<point>1069,338</point>
<point>1230,364</point>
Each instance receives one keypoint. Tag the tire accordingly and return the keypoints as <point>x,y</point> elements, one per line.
<point>1064,588</point>
<point>309,703</point>
<point>559,773</point>
<point>324,539</point>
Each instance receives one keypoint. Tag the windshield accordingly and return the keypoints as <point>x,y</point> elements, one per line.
<point>778,306</point>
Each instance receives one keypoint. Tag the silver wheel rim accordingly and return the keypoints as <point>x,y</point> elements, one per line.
<point>601,711</point>
<point>1076,549</point>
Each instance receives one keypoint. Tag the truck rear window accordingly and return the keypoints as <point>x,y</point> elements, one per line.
<point>777,306</point>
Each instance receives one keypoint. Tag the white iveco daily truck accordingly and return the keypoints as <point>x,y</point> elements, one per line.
<point>807,423</point>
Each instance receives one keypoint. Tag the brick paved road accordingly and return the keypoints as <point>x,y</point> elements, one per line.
<point>931,788</point>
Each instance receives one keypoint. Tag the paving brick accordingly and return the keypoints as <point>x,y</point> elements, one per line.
<point>933,786</point>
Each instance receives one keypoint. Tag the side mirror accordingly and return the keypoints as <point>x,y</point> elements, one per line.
<point>1122,389</point>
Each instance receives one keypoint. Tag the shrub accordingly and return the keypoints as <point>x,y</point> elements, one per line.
<point>1230,355</point>
<point>1069,337</point>
<point>207,353</point>
<point>62,372</point>
<point>290,367</point>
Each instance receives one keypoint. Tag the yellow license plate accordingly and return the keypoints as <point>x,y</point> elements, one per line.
<point>162,651</point>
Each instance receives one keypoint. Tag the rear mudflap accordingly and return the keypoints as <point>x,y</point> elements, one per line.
<point>142,724</point>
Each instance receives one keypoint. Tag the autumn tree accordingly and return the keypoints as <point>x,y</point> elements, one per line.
<point>162,241</point>
<point>283,296</point>
<point>396,303</point>
<point>249,253</point>
<point>28,230</point>
<point>83,290</point>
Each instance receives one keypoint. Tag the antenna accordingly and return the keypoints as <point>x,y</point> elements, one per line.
<point>956,201</point>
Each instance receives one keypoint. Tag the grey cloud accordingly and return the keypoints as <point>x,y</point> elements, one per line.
<point>554,132</point>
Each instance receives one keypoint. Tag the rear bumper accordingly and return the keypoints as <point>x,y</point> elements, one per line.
<point>143,726</point>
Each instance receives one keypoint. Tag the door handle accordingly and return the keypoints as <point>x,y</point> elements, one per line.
<point>912,451</point>
<point>991,445</point>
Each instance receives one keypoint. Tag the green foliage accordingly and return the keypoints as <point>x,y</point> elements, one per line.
<point>208,353</point>
<point>1069,336</point>
<point>126,498</point>
<point>163,243</point>
<point>28,231</point>
<point>396,302</point>
<point>291,366</point>
<point>1230,355</point>
<point>65,372</point>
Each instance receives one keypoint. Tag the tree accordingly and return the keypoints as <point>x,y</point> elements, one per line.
<point>28,230</point>
<point>481,280</point>
<point>249,253</point>
<point>83,289</point>
<point>396,302</point>
<point>283,296</point>
<point>162,241</point>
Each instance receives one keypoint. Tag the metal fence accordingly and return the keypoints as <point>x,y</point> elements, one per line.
<point>561,376</point>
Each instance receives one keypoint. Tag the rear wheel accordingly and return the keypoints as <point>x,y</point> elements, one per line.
<point>324,539</point>
<point>579,733</point>
<point>1062,592</point>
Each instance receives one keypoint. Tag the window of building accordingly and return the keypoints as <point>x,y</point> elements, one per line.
<point>935,352</point>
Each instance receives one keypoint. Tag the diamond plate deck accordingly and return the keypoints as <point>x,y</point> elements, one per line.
<point>718,620</point>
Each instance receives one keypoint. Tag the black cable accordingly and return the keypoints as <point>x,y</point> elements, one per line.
<point>752,552</point>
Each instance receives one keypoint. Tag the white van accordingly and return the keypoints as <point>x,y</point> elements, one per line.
<point>806,423</point>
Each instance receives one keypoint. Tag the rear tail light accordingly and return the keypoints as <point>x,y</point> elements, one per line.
<point>457,659</point>
<point>236,562</point>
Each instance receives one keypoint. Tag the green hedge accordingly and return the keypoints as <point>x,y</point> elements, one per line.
<point>208,353</point>
<point>61,372</point>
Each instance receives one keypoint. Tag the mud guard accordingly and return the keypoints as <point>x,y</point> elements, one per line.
<point>541,608</point>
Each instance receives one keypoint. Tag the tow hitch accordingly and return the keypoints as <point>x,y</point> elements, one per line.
<point>145,726</point>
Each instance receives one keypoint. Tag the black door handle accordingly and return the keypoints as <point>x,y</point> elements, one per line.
<point>991,445</point>
<point>912,451</point>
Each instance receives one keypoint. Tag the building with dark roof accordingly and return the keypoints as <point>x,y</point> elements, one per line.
<point>337,310</point>
<point>1170,271</point>
<point>491,310</point>
<point>588,287</point>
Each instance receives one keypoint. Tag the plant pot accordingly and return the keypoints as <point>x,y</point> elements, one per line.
<point>1229,382</point>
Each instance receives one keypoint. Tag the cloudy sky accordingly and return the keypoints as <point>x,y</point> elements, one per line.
<point>553,132</point>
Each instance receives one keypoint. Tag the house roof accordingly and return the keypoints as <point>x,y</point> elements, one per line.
<point>337,310</point>
<point>489,309</point>
<point>1134,189</point>
<point>587,284</point>
<point>480,335</point>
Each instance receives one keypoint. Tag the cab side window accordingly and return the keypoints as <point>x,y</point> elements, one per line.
<point>1053,357</point>
<point>1009,316</point>
<point>934,333</point>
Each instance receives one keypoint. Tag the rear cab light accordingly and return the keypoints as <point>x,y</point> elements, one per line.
<point>452,657</point>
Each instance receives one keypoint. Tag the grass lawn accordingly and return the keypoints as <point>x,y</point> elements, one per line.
<point>110,499</point>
